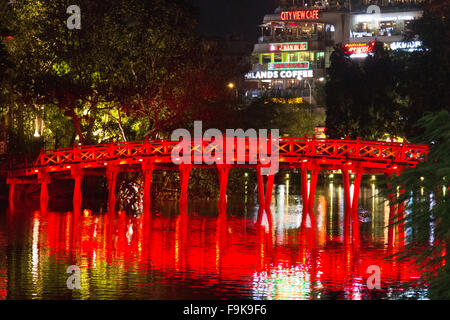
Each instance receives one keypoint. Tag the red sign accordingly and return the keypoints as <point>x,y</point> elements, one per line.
<point>300,15</point>
<point>359,48</point>
<point>293,46</point>
<point>289,65</point>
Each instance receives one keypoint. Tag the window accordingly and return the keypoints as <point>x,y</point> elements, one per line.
<point>278,57</point>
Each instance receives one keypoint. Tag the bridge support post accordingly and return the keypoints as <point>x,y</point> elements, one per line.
<point>351,205</point>
<point>44,180</point>
<point>111,179</point>
<point>264,199</point>
<point>347,204</point>
<point>147,170</point>
<point>355,222</point>
<point>391,219</point>
<point>396,216</point>
<point>224,171</point>
<point>12,186</point>
<point>185,170</point>
<point>261,202</point>
<point>77,176</point>
<point>400,219</point>
<point>308,196</point>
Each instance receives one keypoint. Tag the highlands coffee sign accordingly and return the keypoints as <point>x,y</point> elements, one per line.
<point>274,75</point>
<point>300,15</point>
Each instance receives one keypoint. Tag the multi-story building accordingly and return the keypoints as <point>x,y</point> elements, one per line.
<point>296,41</point>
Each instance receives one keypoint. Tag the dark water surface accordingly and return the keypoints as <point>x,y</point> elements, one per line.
<point>202,256</point>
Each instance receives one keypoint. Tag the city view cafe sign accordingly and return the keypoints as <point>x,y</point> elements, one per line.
<point>284,74</point>
<point>300,15</point>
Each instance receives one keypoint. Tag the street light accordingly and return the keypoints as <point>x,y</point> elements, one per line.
<point>310,90</point>
<point>232,86</point>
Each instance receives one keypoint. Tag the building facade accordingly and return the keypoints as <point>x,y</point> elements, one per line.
<point>296,41</point>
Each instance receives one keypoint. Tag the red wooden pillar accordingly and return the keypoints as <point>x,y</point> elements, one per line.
<point>264,199</point>
<point>147,170</point>
<point>77,195</point>
<point>308,196</point>
<point>185,170</point>
<point>12,186</point>
<point>268,199</point>
<point>400,219</point>
<point>224,171</point>
<point>351,205</point>
<point>261,202</point>
<point>355,219</point>
<point>77,175</point>
<point>391,221</point>
<point>347,204</point>
<point>391,198</point>
<point>311,197</point>
<point>305,192</point>
<point>111,179</point>
<point>44,180</point>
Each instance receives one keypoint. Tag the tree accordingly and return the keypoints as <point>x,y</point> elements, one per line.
<point>294,120</point>
<point>134,68</point>
<point>424,79</point>
<point>425,84</point>
<point>360,96</point>
<point>426,193</point>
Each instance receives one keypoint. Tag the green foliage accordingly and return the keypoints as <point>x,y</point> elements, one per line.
<point>360,97</point>
<point>424,80</point>
<point>135,69</point>
<point>428,201</point>
<point>294,120</point>
<point>390,92</point>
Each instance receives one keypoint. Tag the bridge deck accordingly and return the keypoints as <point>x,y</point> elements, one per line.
<point>323,154</point>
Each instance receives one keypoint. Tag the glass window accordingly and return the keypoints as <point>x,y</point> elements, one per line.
<point>266,58</point>
<point>292,57</point>
<point>278,57</point>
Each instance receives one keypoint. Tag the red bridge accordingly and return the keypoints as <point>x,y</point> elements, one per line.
<point>310,155</point>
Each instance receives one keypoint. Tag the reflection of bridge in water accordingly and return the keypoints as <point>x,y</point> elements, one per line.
<point>310,155</point>
<point>224,257</point>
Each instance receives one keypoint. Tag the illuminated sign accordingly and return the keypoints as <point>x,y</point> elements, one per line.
<point>359,49</point>
<point>380,18</point>
<point>409,46</point>
<point>288,65</point>
<point>300,15</point>
<point>285,74</point>
<point>292,46</point>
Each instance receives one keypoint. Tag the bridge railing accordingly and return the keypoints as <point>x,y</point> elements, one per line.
<point>286,147</point>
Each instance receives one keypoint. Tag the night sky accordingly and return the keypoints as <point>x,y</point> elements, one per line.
<point>233,17</point>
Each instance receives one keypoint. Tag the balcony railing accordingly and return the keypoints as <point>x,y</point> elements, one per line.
<point>327,37</point>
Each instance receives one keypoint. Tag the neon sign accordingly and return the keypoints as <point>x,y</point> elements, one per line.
<point>284,74</point>
<point>292,46</point>
<point>380,18</point>
<point>300,15</point>
<point>359,48</point>
<point>409,46</point>
<point>288,65</point>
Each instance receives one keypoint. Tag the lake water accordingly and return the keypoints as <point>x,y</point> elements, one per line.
<point>198,255</point>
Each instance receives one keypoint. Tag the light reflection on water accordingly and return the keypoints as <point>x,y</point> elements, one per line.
<point>202,256</point>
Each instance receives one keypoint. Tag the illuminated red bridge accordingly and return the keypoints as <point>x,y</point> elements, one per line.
<point>310,155</point>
